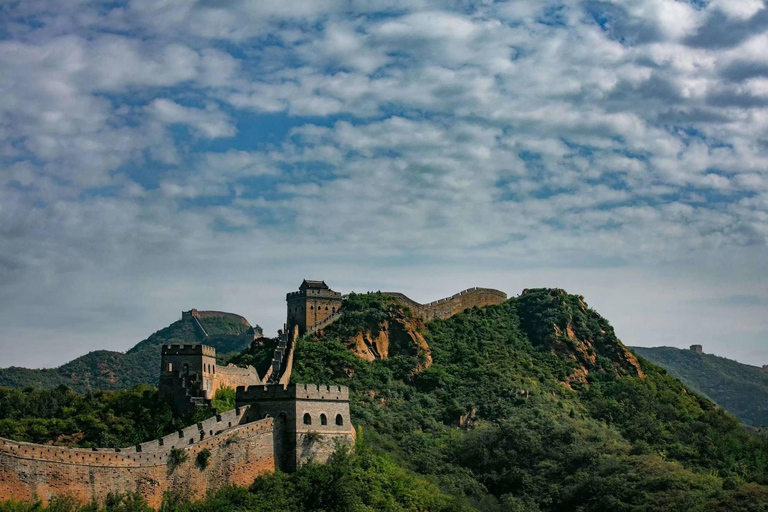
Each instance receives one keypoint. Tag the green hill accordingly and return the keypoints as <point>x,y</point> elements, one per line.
<point>534,404</point>
<point>108,370</point>
<point>740,389</point>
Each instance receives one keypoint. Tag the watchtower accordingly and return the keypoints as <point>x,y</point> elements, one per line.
<point>310,420</point>
<point>313,303</point>
<point>697,348</point>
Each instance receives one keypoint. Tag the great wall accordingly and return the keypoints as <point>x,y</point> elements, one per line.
<point>275,425</point>
<point>237,455</point>
<point>449,306</point>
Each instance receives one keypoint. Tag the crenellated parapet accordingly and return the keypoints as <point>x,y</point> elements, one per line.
<point>292,391</point>
<point>188,350</point>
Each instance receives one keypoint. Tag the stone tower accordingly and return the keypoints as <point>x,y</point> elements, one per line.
<point>310,420</point>
<point>313,303</point>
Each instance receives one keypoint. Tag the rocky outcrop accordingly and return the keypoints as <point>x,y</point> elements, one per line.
<point>566,326</point>
<point>395,336</point>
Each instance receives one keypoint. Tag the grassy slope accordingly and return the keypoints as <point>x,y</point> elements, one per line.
<point>740,389</point>
<point>491,420</point>
<point>108,370</point>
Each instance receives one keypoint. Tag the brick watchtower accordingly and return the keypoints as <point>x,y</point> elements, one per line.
<point>313,303</point>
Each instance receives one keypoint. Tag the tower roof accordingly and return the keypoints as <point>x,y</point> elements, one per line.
<point>307,283</point>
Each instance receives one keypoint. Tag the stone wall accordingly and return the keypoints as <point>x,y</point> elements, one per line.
<point>232,376</point>
<point>238,455</point>
<point>449,306</point>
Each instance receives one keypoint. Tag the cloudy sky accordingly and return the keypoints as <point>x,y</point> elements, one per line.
<point>159,155</point>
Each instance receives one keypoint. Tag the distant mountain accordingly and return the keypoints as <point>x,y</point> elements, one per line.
<point>740,389</point>
<point>108,370</point>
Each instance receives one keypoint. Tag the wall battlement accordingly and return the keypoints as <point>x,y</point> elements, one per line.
<point>292,392</point>
<point>188,350</point>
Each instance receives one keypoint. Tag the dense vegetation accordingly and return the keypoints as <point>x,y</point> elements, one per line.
<point>535,405</point>
<point>740,389</point>
<point>108,370</point>
<point>107,419</point>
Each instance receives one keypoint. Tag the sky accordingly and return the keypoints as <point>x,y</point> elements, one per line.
<point>163,155</point>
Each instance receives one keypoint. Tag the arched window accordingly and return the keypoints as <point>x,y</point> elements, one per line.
<point>169,367</point>
<point>333,310</point>
<point>307,419</point>
<point>311,307</point>
<point>323,419</point>
<point>326,308</point>
<point>339,419</point>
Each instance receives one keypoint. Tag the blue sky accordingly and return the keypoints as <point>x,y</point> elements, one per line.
<point>162,155</point>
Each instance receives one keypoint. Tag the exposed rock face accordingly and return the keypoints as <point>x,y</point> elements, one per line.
<point>565,325</point>
<point>395,336</point>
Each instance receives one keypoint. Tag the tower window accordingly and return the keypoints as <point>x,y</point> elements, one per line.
<point>307,419</point>
<point>323,419</point>
<point>339,419</point>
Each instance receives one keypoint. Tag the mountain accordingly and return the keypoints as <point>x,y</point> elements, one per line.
<point>740,389</point>
<point>531,405</point>
<point>108,370</point>
<point>534,405</point>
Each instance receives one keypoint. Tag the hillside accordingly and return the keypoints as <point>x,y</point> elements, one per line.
<point>534,404</point>
<point>108,370</point>
<point>740,389</point>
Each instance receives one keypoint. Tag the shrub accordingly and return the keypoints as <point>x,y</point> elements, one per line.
<point>202,458</point>
<point>176,456</point>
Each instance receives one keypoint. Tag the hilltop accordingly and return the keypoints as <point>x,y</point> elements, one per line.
<point>109,370</point>
<point>740,389</point>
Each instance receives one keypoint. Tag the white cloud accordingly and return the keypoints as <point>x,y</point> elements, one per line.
<point>208,122</point>
<point>739,9</point>
<point>537,134</point>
